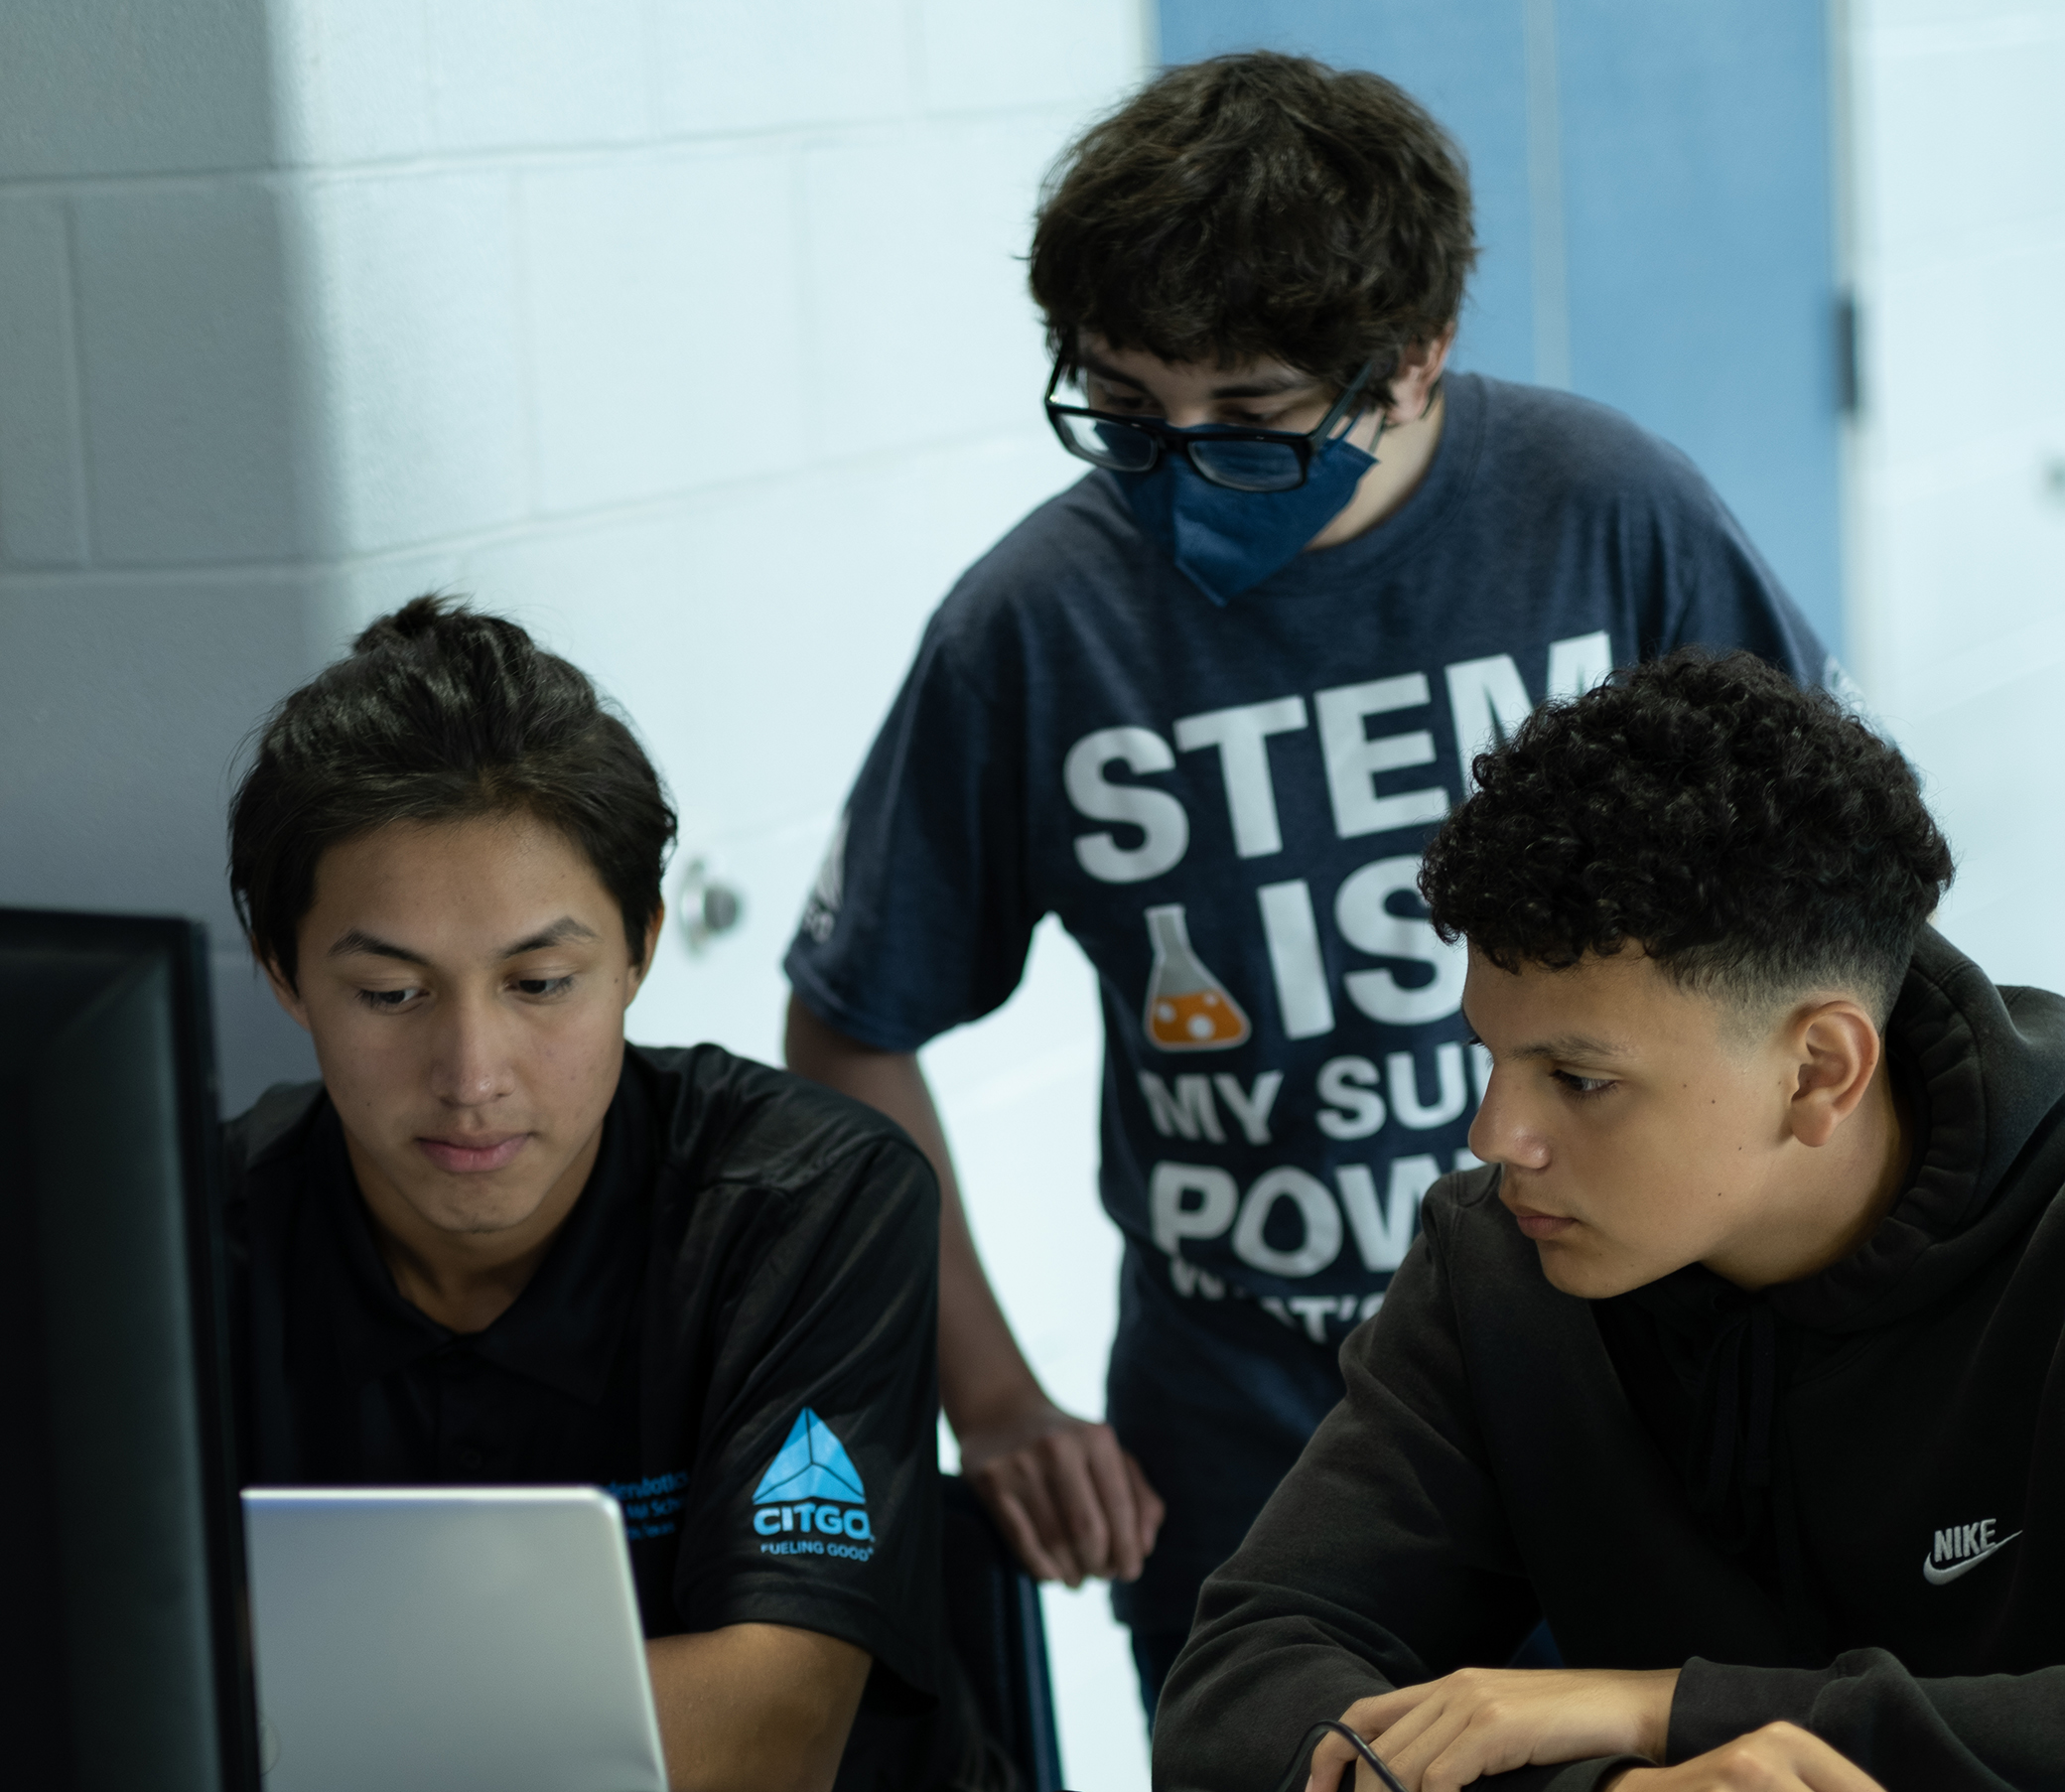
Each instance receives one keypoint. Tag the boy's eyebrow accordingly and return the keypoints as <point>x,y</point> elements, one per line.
<point>1265,388</point>
<point>1105,370</point>
<point>1246,389</point>
<point>1563,1045</point>
<point>356,940</point>
<point>560,931</point>
<point>1569,1045</point>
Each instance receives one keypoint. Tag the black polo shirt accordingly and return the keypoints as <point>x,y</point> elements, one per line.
<point>732,1333</point>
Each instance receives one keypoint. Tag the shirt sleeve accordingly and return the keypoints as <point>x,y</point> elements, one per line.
<point>1383,1559</point>
<point>1977,1733</point>
<point>813,1497</point>
<point>1723,595</point>
<point>922,916</point>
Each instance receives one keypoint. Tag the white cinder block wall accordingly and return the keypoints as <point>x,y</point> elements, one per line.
<point>1958,554</point>
<point>160,486</point>
<point>694,334</point>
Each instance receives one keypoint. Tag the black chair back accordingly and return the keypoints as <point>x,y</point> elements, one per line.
<point>994,1619</point>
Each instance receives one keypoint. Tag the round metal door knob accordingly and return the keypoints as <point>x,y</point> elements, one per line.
<point>708,907</point>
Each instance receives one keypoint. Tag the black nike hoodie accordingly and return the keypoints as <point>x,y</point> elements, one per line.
<point>1841,1502</point>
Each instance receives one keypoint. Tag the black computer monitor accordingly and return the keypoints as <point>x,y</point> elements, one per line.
<point>126,1662</point>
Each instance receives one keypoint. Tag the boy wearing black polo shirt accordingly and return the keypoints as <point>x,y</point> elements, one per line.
<point>1206,707</point>
<point>1743,1358</point>
<point>496,1245</point>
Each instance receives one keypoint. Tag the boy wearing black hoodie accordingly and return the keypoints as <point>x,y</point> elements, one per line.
<point>1743,1361</point>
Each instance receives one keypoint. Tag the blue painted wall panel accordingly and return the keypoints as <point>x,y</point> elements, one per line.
<point>1692,158</point>
<point>1698,217</point>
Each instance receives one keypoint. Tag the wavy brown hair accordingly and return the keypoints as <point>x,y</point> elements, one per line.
<point>1258,206</point>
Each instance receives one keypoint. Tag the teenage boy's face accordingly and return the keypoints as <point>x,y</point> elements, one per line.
<point>1638,1132</point>
<point>464,983</point>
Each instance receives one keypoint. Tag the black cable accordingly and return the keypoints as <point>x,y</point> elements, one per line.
<point>1300,1761</point>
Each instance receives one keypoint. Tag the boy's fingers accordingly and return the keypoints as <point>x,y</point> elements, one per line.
<point>1070,1502</point>
<point>1330,1761</point>
<point>1115,1496</point>
<point>1064,1461</point>
<point>1780,1757</point>
<point>1146,1502</point>
<point>1415,1737</point>
<point>1016,1493</point>
<point>1820,1767</point>
<point>1020,1532</point>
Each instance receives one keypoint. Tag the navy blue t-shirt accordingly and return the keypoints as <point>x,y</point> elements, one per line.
<point>1226,809</point>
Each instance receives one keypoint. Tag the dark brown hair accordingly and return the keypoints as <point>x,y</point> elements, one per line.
<point>440,714</point>
<point>1258,206</point>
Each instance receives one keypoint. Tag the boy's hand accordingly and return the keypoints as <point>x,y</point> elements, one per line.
<point>1070,1502</point>
<point>1780,1757</point>
<point>1450,1731</point>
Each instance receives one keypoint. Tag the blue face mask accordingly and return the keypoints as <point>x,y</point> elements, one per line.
<point>1229,542</point>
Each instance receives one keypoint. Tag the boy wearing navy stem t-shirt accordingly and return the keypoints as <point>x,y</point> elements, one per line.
<point>1206,705</point>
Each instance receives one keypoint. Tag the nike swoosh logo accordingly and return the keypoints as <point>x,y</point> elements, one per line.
<point>1936,1577</point>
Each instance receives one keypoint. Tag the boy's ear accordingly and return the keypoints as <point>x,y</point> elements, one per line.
<point>285,994</point>
<point>1838,1050</point>
<point>643,967</point>
<point>1412,387</point>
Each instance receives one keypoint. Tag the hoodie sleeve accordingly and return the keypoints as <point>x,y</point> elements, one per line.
<point>1383,1559</point>
<point>1977,1734</point>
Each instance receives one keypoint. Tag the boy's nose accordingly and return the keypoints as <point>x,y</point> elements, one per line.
<point>1502,1134</point>
<point>470,1069</point>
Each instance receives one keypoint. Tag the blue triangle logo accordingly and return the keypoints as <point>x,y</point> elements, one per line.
<point>812,1464</point>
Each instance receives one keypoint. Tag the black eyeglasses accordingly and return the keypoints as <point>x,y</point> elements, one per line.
<point>1241,460</point>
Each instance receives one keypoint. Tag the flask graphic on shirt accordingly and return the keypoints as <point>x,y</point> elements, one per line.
<point>1187,1007</point>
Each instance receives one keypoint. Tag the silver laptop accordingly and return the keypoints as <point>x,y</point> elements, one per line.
<point>448,1639</point>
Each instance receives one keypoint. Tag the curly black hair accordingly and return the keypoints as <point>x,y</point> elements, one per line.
<point>1754,838</point>
<point>441,713</point>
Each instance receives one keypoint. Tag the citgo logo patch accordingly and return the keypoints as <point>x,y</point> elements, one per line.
<point>811,1497</point>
